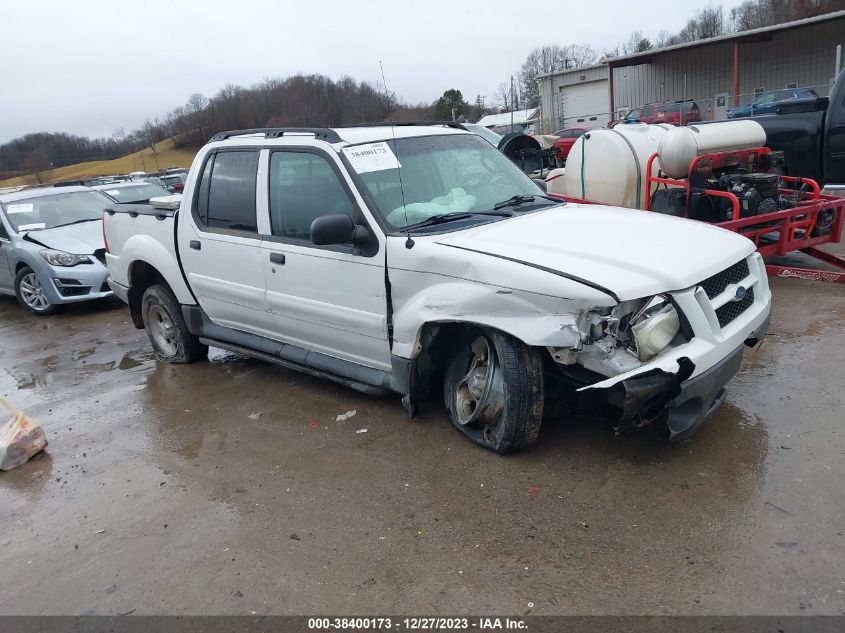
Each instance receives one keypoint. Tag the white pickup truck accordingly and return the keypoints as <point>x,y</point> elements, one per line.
<point>401,258</point>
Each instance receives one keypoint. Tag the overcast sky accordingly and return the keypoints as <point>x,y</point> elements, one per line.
<point>90,67</point>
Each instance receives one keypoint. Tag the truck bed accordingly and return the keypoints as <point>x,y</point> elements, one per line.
<point>138,234</point>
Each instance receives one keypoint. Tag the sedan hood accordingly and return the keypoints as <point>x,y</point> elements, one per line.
<point>82,239</point>
<point>631,253</point>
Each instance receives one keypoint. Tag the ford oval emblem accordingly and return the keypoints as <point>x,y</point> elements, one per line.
<point>739,295</point>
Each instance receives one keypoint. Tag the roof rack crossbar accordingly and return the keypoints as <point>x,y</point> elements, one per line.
<point>320,133</point>
<point>453,124</point>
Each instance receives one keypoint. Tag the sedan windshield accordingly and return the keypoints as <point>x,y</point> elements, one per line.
<point>48,212</point>
<point>459,174</point>
<point>136,194</point>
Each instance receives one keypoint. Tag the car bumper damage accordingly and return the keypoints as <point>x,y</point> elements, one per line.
<point>682,402</point>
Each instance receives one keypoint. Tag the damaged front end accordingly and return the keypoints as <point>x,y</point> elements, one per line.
<point>625,339</point>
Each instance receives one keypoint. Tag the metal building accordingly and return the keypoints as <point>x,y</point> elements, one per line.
<point>718,73</point>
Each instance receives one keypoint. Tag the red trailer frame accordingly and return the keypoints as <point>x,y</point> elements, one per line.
<point>776,233</point>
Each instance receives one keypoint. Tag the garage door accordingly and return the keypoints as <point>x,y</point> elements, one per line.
<point>587,102</point>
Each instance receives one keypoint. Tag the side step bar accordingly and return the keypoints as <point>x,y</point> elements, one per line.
<point>270,358</point>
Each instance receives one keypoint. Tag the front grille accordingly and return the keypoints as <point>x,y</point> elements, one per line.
<point>715,285</point>
<point>100,254</point>
<point>732,309</point>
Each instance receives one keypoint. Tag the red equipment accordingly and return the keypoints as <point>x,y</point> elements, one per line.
<point>778,232</point>
<point>815,219</point>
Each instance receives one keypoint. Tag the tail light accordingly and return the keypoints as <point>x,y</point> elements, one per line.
<point>105,239</point>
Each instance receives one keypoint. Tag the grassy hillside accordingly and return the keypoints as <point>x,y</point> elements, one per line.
<point>167,156</point>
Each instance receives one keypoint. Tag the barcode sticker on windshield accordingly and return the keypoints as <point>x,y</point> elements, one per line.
<point>32,227</point>
<point>113,192</point>
<point>18,208</point>
<point>371,157</point>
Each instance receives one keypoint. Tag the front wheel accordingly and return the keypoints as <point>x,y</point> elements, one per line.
<point>162,317</point>
<point>31,294</point>
<point>493,390</point>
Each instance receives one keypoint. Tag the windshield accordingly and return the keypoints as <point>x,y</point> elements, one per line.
<point>48,212</point>
<point>455,173</point>
<point>136,193</point>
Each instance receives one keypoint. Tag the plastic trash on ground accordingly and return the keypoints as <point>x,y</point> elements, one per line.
<point>20,437</point>
<point>345,416</point>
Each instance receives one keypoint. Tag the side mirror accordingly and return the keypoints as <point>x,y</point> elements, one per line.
<point>337,229</point>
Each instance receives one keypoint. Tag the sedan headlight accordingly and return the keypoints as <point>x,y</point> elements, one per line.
<point>60,258</point>
<point>654,328</point>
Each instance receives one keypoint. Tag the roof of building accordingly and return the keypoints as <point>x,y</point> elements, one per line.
<point>750,35</point>
<point>504,118</point>
<point>564,71</point>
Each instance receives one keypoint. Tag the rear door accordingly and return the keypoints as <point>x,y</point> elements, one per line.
<point>330,299</point>
<point>220,244</point>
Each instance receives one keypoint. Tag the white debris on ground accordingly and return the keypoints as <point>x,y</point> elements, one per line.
<point>20,438</point>
<point>345,416</point>
<point>361,431</point>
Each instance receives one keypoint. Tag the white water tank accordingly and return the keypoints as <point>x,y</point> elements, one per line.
<point>609,166</point>
<point>680,145</point>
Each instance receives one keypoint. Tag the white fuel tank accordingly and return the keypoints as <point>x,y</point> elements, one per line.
<point>609,166</point>
<point>680,145</point>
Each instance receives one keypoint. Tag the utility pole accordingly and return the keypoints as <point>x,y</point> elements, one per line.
<point>512,103</point>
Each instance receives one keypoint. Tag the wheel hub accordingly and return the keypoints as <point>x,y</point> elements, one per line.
<point>479,395</point>
<point>163,330</point>
<point>32,293</point>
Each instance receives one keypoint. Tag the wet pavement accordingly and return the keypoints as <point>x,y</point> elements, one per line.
<point>228,487</point>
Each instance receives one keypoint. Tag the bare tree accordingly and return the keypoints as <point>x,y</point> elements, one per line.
<point>636,43</point>
<point>549,59</point>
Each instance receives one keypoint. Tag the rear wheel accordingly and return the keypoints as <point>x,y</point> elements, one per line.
<point>162,316</point>
<point>31,294</point>
<point>493,390</point>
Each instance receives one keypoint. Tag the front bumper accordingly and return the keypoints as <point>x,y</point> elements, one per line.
<point>72,284</point>
<point>686,401</point>
<point>702,395</point>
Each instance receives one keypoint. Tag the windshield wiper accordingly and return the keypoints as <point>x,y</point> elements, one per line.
<point>442,218</point>
<point>75,222</point>
<point>517,200</point>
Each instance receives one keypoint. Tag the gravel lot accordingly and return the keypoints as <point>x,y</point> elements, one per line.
<point>228,487</point>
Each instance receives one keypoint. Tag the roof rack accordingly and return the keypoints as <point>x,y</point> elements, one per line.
<point>452,124</point>
<point>320,133</point>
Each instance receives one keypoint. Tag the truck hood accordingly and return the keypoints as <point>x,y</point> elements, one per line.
<point>81,239</point>
<point>627,252</point>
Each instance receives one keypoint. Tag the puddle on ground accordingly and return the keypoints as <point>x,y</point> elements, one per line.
<point>76,364</point>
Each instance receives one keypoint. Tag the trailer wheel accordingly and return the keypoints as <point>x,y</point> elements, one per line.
<point>169,335</point>
<point>493,390</point>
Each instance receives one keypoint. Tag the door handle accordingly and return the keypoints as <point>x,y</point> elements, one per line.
<point>196,245</point>
<point>277,258</point>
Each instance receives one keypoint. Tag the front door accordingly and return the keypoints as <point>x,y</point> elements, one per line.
<point>722,100</point>
<point>220,244</point>
<point>6,280</point>
<point>330,299</point>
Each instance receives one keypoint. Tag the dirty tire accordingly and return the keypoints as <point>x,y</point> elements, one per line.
<point>28,293</point>
<point>169,335</point>
<point>511,414</point>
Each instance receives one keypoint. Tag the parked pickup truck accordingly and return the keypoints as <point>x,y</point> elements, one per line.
<point>811,133</point>
<point>402,258</point>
